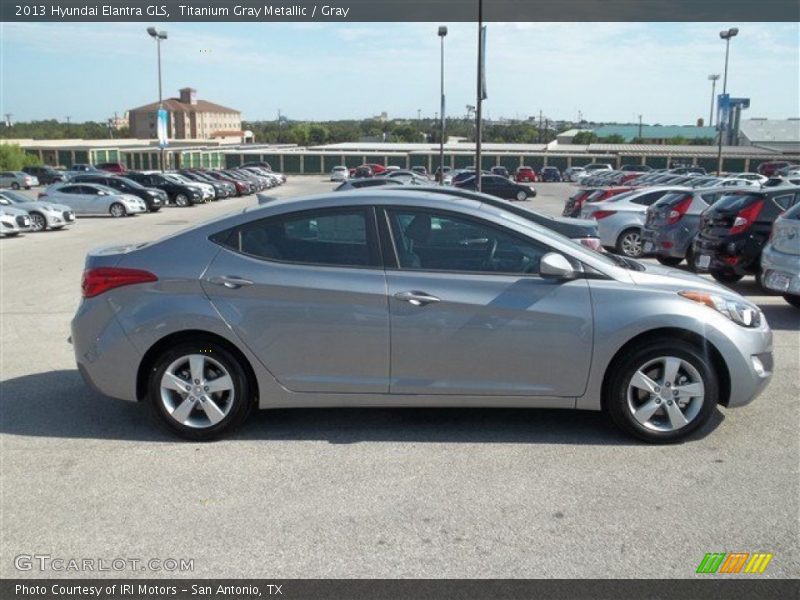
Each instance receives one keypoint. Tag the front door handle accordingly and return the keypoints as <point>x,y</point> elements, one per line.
<point>230,281</point>
<point>417,298</point>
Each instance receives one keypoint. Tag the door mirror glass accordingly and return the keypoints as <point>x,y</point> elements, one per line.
<point>556,266</point>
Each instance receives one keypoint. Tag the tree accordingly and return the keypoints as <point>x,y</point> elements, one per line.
<point>585,137</point>
<point>13,158</point>
<point>678,140</point>
<point>613,139</point>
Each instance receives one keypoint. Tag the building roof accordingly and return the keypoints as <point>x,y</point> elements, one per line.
<point>785,131</point>
<point>175,105</point>
<point>656,132</point>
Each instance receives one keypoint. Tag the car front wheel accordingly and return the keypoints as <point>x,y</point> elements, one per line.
<point>38,222</point>
<point>182,200</point>
<point>117,210</point>
<point>726,277</point>
<point>662,391</point>
<point>199,390</point>
<point>522,196</point>
<point>669,261</point>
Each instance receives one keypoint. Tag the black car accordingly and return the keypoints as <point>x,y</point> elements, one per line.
<point>500,187</point>
<point>153,198</point>
<point>178,193</point>
<point>550,174</point>
<point>500,172</point>
<point>735,229</point>
<point>45,175</point>
<point>221,189</point>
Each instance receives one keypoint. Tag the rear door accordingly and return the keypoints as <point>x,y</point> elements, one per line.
<point>471,316</point>
<point>306,292</point>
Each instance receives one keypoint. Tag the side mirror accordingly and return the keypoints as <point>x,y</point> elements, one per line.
<point>555,266</point>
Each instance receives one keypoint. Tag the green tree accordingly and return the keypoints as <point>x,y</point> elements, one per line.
<point>678,140</point>
<point>613,139</point>
<point>585,137</point>
<point>13,158</point>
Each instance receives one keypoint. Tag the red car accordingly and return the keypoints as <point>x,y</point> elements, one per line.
<point>112,167</point>
<point>575,203</point>
<point>376,168</point>
<point>770,169</point>
<point>525,174</point>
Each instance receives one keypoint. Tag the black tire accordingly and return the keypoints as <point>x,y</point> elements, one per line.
<point>690,260</point>
<point>621,371</point>
<point>38,222</point>
<point>522,196</point>
<point>182,200</point>
<point>669,261</point>
<point>117,210</point>
<point>155,209</point>
<point>792,299</point>
<point>627,244</point>
<point>241,402</point>
<point>15,186</point>
<point>726,277</point>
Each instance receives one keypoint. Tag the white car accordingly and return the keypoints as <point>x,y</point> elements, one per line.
<point>753,179</point>
<point>13,221</point>
<point>205,189</point>
<point>340,173</point>
<point>43,214</point>
<point>17,179</point>
<point>94,199</point>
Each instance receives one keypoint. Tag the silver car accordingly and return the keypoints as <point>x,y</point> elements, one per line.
<point>340,173</point>
<point>44,215</point>
<point>673,221</point>
<point>17,180</point>
<point>13,221</point>
<point>620,218</point>
<point>94,199</point>
<point>780,259</point>
<point>408,299</point>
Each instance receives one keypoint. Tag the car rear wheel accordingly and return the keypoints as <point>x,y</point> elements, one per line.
<point>726,277</point>
<point>792,299</point>
<point>522,196</point>
<point>629,243</point>
<point>117,210</point>
<point>669,261</point>
<point>199,390</point>
<point>661,391</point>
<point>38,222</point>
<point>182,200</point>
<point>15,186</point>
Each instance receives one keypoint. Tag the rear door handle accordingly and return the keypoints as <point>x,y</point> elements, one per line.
<point>230,281</point>
<point>417,298</point>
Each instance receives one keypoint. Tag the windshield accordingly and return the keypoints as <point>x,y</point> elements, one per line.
<point>735,202</point>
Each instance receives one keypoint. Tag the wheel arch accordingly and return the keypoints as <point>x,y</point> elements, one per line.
<point>669,334</point>
<point>149,358</point>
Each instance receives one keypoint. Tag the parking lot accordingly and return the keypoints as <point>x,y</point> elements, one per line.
<point>436,493</point>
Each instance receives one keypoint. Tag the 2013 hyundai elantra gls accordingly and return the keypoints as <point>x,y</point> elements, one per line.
<point>384,298</point>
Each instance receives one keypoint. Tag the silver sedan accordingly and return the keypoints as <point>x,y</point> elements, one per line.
<point>94,199</point>
<point>780,259</point>
<point>44,215</point>
<point>384,298</point>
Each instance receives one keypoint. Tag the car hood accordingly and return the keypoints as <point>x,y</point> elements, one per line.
<point>12,212</point>
<point>666,278</point>
<point>55,205</point>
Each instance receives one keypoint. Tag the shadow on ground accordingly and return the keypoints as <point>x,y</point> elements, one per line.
<point>58,404</point>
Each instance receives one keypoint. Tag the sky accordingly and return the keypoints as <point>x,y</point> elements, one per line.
<point>321,71</point>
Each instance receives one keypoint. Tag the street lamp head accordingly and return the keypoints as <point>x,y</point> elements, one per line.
<point>726,35</point>
<point>152,31</point>
<point>159,35</point>
<point>713,77</point>
<point>442,31</point>
<point>162,35</point>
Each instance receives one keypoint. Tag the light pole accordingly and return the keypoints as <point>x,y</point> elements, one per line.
<point>713,79</point>
<point>723,129</point>
<point>158,36</point>
<point>442,35</point>
<point>640,130</point>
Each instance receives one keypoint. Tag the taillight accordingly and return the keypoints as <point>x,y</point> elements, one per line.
<point>592,243</point>
<point>677,212</point>
<point>746,217</point>
<point>102,279</point>
<point>602,214</point>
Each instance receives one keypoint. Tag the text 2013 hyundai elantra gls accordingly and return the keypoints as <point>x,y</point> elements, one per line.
<point>384,298</point>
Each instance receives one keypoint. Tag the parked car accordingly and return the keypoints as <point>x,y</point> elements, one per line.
<point>112,167</point>
<point>257,163</point>
<point>13,220</point>
<point>420,170</point>
<point>634,168</point>
<point>770,168</point>
<point>178,193</point>
<point>620,219</point>
<point>43,215</point>
<point>82,168</point>
<point>45,175</point>
<point>447,174</point>
<point>206,189</point>
<point>153,198</point>
<point>17,180</point>
<point>550,174</point>
<point>501,187</point>
<point>575,203</point>
<point>258,184</point>
<point>789,169</point>
<point>366,182</point>
<point>339,173</point>
<point>212,322</point>
<point>734,231</point>
<point>525,174</point>
<point>500,172</point>
<point>591,167</point>
<point>242,187</point>
<point>93,199</point>
<point>222,189</point>
<point>741,182</point>
<point>374,168</point>
<point>780,259</point>
<point>407,177</point>
<point>672,223</point>
<point>362,172</point>
<point>688,170</point>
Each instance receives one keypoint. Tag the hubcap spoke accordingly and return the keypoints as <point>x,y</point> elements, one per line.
<point>213,412</point>
<point>196,364</point>
<point>671,367</point>
<point>690,390</point>
<point>173,382</point>
<point>676,416</point>
<point>181,413</point>
<point>220,384</point>
<point>645,411</point>
<point>643,382</point>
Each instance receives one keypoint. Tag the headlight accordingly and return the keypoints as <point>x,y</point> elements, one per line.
<point>741,313</point>
<point>152,192</point>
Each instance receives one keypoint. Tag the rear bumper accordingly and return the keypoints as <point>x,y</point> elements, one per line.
<point>673,241</point>
<point>780,271</point>
<point>739,254</point>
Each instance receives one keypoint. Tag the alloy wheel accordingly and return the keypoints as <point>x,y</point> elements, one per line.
<point>665,394</point>
<point>197,391</point>
<point>631,244</point>
<point>38,222</point>
<point>181,200</point>
<point>117,210</point>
